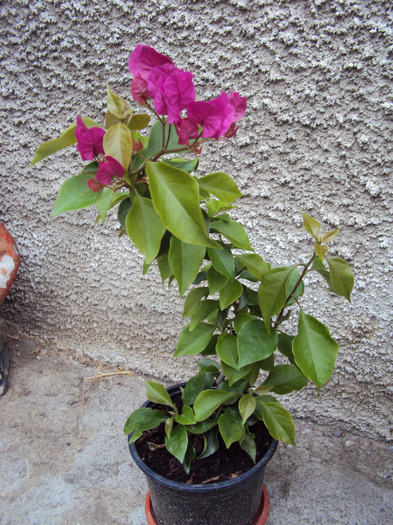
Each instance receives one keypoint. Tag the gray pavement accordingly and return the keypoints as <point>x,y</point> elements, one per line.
<point>64,459</point>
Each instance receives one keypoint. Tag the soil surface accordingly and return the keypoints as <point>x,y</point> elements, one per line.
<point>223,465</point>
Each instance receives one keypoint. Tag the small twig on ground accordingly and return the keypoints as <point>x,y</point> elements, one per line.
<point>100,375</point>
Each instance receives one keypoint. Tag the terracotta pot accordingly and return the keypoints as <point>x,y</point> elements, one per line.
<point>9,261</point>
<point>260,518</point>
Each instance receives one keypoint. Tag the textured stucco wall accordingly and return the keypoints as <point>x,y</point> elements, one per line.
<point>316,137</point>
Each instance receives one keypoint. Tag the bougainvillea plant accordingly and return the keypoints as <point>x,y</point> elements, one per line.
<point>237,303</point>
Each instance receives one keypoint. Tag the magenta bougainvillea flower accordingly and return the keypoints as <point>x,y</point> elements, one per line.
<point>215,116</point>
<point>172,90</point>
<point>139,90</point>
<point>108,168</point>
<point>89,140</point>
<point>143,59</point>
<point>94,185</point>
<point>187,129</point>
<point>239,104</point>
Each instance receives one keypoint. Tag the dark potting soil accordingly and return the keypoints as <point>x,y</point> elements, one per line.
<point>223,465</point>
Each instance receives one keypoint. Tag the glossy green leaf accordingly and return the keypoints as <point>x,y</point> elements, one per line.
<point>227,349</point>
<point>156,393</point>
<point>272,292</point>
<point>291,283</point>
<point>185,261</point>
<point>189,457</point>
<point>208,401</point>
<point>117,144</point>
<point>221,186</point>
<point>284,379</point>
<point>187,416</point>
<point>207,307</point>
<point>187,165</point>
<point>108,200</point>
<point>240,319</point>
<point>247,404</point>
<point>341,277</point>
<point>247,443</point>
<point>254,342</point>
<point>175,197</point>
<point>143,419</point>
<point>202,426</point>
<point>155,139</point>
<point>230,293</point>
<point>195,385</point>
<point>230,426</point>
<point>168,426</point>
<point>223,261</point>
<point>211,444</point>
<point>235,374</point>
<point>164,267</point>
<point>193,300</point>
<point>74,194</point>
<point>144,227</point>
<point>277,419</point>
<point>213,207</point>
<point>284,345</point>
<point>116,105</point>
<point>267,363</point>
<point>234,232</point>
<point>138,121</point>
<point>191,343</point>
<point>177,443</point>
<point>314,350</point>
<point>312,226</point>
<point>320,249</point>
<point>330,236</point>
<point>254,263</point>
<point>215,280</point>
<point>67,138</point>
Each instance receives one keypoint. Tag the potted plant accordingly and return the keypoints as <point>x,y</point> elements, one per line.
<point>237,303</point>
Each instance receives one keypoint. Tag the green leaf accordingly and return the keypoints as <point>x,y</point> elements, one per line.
<point>247,404</point>
<point>330,236</point>
<point>187,416</point>
<point>226,349</point>
<point>235,374</point>
<point>221,186</point>
<point>117,144</point>
<point>284,379</point>
<point>207,307</point>
<point>234,232</point>
<point>223,261</point>
<point>341,277</point>
<point>74,194</point>
<point>175,197</point>
<point>254,264</point>
<point>177,443</point>
<point>240,319</point>
<point>116,105</point>
<point>193,388</point>
<point>138,121</point>
<point>267,364</point>
<point>202,426</point>
<point>67,138</point>
<point>272,292</point>
<point>214,207</point>
<point>248,445</point>
<point>208,401</point>
<point>185,261</point>
<point>182,164</point>
<point>319,266</point>
<point>191,343</point>
<point>164,268</point>
<point>291,283</point>
<point>231,427</point>
<point>314,349</point>
<point>168,426</point>
<point>254,342</point>
<point>123,210</point>
<point>143,419</point>
<point>193,301</point>
<point>215,280</point>
<point>188,458</point>
<point>320,249</point>
<point>156,393</point>
<point>144,227</point>
<point>228,295</point>
<point>312,226</point>
<point>211,444</point>
<point>155,139</point>
<point>285,346</point>
<point>108,200</point>
<point>277,419</point>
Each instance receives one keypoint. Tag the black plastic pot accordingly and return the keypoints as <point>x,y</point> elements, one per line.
<point>232,502</point>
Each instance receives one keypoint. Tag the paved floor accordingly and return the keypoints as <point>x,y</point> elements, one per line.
<point>64,459</point>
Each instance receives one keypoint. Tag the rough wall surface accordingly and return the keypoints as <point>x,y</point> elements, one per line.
<point>316,137</point>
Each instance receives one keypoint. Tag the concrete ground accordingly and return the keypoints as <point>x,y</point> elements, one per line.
<point>64,459</point>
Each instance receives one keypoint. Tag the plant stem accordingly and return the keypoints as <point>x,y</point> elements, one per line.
<point>306,266</point>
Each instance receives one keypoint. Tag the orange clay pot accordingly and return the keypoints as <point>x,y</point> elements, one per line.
<point>9,261</point>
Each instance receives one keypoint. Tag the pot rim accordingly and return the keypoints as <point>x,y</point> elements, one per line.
<point>210,487</point>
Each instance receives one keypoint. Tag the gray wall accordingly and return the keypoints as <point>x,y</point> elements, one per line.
<point>316,138</point>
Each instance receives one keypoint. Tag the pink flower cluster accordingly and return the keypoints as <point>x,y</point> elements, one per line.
<point>172,90</point>
<point>90,146</point>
